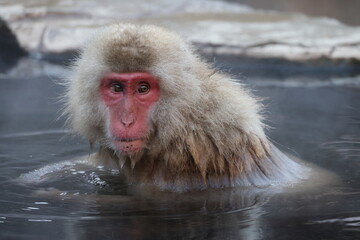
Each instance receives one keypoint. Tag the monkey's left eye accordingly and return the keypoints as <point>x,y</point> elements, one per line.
<point>143,88</point>
<point>117,88</point>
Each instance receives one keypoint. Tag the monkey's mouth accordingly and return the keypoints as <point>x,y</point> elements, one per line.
<point>129,145</point>
<point>128,139</point>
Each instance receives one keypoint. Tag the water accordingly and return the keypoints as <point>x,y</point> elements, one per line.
<point>317,120</point>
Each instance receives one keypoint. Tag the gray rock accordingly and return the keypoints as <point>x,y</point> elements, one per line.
<point>10,50</point>
<point>217,27</point>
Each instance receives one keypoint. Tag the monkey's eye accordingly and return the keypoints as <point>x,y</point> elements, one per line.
<point>117,88</point>
<point>143,88</point>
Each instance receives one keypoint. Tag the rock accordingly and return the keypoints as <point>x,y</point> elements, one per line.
<point>217,27</point>
<point>297,38</point>
<point>9,48</point>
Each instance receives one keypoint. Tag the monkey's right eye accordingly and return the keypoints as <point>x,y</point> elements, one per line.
<point>117,88</point>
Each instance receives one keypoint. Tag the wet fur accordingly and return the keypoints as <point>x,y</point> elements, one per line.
<point>205,130</point>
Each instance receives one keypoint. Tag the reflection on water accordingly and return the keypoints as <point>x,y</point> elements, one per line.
<point>77,201</point>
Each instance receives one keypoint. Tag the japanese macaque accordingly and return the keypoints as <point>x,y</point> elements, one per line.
<point>166,118</point>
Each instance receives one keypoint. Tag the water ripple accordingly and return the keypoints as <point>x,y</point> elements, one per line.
<point>35,133</point>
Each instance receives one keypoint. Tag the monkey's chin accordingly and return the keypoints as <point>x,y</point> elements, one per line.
<point>129,147</point>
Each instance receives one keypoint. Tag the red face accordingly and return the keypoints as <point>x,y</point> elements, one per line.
<point>129,97</point>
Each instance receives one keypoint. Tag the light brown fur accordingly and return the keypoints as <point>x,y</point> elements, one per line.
<point>205,130</point>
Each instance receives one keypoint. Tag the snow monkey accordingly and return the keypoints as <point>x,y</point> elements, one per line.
<point>166,118</point>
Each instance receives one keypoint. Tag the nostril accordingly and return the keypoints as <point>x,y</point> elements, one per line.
<point>127,122</point>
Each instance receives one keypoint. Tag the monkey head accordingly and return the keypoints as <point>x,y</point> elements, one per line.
<point>132,83</point>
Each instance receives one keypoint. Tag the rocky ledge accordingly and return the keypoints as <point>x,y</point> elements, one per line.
<point>219,28</point>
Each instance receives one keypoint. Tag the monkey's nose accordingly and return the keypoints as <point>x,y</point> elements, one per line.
<point>127,121</point>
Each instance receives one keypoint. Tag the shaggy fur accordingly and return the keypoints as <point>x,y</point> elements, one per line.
<point>205,130</point>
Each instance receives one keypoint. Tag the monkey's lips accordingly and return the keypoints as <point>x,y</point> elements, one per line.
<point>129,145</point>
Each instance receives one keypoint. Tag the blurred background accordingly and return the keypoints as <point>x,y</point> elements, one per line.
<point>344,11</point>
<point>318,37</point>
<point>301,57</point>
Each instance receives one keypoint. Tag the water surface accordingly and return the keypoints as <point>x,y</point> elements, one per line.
<point>317,120</point>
